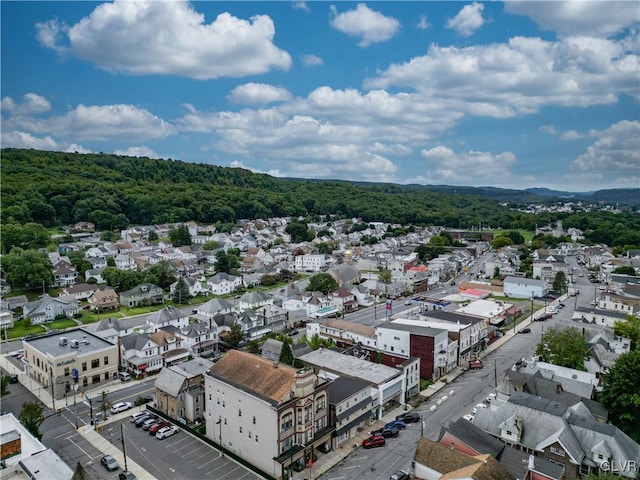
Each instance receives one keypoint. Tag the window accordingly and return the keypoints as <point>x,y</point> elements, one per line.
<point>66,371</point>
<point>509,433</point>
<point>585,471</point>
<point>256,438</point>
<point>557,451</point>
<point>254,420</point>
<point>106,360</point>
<point>95,379</point>
<point>249,434</point>
<point>239,412</point>
<point>106,376</point>
<point>209,397</point>
<point>240,430</point>
<point>95,363</point>
<point>85,381</point>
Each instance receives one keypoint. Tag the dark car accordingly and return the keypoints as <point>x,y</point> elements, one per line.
<point>400,475</point>
<point>386,432</point>
<point>540,319</point>
<point>13,378</point>
<point>140,420</point>
<point>109,463</point>
<point>409,417</point>
<point>396,424</point>
<point>126,475</point>
<point>374,441</point>
<point>524,330</point>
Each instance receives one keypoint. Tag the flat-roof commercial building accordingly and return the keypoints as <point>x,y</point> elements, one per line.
<point>69,358</point>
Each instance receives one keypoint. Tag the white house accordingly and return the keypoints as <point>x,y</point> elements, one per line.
<point>140,354</point>
<point>222,283</point>
<point>520,287</point>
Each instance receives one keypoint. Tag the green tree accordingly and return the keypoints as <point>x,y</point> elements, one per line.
<point>161,274</point>
<point>501,242</point>
<point>180,236</point>
<point>235,336</point>
<point>4,385</point>
<point>111,262</point>
<point>27,268</point>
<point>560,282</point>
<point>211,245</point>
<point>27,236</point>
<point>105,405</point>
<point>181,292</point>
<point>629,328</point>
<point>152,236</point>
<point>620,394</point>
<point>565,347</point>
<point>322,282</point>
<point>31,417</point>
<point>226,262</point>
<point>286,354</point>
<point>79,261</point>
<point>625,270</point>
<point>299,232</point>
<point>315,342</point>
<point>496,272</point>
<point>515,236</point>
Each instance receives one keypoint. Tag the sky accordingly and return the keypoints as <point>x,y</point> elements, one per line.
<point>507,94</point>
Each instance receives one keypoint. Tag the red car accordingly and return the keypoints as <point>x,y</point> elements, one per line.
<point>374,441</point>
<point>157,426</point>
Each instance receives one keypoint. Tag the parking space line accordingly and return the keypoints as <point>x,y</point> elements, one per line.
<point>217,468</point>
<point>79,448</point>
<point>202,465</point>
<point>197,458</point>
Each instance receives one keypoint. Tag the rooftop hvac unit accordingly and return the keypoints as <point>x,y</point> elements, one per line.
<point>63,341</point>
<point>74,344</point>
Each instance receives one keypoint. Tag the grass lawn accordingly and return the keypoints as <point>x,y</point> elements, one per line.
<point>19,330</point>
<point>60,324</point>
<point>526,234</point>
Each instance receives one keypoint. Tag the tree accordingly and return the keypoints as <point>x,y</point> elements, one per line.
<point>180,292</point>
<point>152,236</point>
<point>235,336</point>
<point>104,405</point>
<point>515,236</point>
<point>4,385</point>
<point>322,282</point>
<point>620,394</point>
<point>560,282</point>
<point>496,272</point>
<point>299,232</point>
<point>27,236</point>
<point>226,262</point>
<point>180,236</point>
<point>161,274</point>
<point>111,262</point>
<point>31,417</point>
<point>286,354</point>
<point>501,242</point>
<point>625,270</point>
<point>315,342</point>
<point>629,328</point>
<point>211,245</point>
<point>27,268</point>
<point>565,347</point>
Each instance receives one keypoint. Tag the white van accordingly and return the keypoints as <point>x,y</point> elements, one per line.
<point>124,376</point>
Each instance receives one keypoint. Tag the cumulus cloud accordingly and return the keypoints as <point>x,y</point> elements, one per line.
<point>18,139</point>
<point>311,60</point>
<point>141,151</point>
<point>446,166</point>
<point>258,94</point>
<point>520,76</point>
<point>371,26</point>
<point>99,122</point>
<point>566,135</point>
<point>423,24</point>
<point>301,6</point>
<point>577,17</point>
<point>468,20</point>
<point>169,38</point>
<point>614,156</point>
<point>31,104</point>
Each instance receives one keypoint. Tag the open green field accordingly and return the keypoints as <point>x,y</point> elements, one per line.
<point>528,235</point>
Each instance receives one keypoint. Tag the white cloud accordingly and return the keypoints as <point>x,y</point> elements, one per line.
<point>50,33</point>
<point>169,38</point>
<point>105,122</point>
<point>443,165</point>
<point>423,24</point>
<point>311,60</point>
<point>31,104</point>
<point>17,139</point>
<point>550,129</point>
<point>566,135</point>
<point>521,76</point>
<point>141,151</point>
<point>579,17</point>
<point>468,20</point>
<point>301,6</point>
<point>258,94</point>
<point>614,156</point>
<point>369,25</point>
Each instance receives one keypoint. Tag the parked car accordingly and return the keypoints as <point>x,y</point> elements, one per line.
<point>386,432</point>
<point>166,432</point>
<point>121,407</point>
<point>400,475</point>
<point>140,420</point>
<point>109,463</point>
<point>468,417</point>
<point>157,426</point>
<point>407,302</point>
<point>126,475</point>
<point>374,441</point>
<point>409,417</point>
<point>478,407</point>
<point>13,378</point>
<point>136,416</point>
<point>146,425</point>
<point>396,424</point>
<point>524,330</point>
<point>18,352</point>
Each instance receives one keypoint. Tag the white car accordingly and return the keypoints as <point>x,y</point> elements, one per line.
<point>166,432</point>
<point>468,417</point>
<point>121,407</point>
<point>477,407</point>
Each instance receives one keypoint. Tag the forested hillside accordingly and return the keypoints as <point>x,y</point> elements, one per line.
<point>54,188</point>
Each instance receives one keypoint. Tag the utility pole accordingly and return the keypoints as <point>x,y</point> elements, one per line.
<point>495,373</point>
<point>53,395</point>
<point>124,452</point>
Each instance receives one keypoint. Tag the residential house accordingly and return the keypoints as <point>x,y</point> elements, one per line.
<point>201,339</point>
<point>104,300</point>
<point>80,292</point>
<point>167,316</point>
<point>96,274</point>
<point>520,287</point>
<point>143,294</point>
<point>351,408</point>
<point>570,436</point>
<point>170,347</point>
<point>46,309</point>
<point>251,300</point>
<point>124,261</point>
<point>344,300</point>
<point>222,283</point>
<point>345,334</point>
<point>193,284</point>
<point>311,262</point>
<point>139,354</point>
<point>273,317</point>
<point>180,390</point>
<point>64,274</point>
<point>272,415</point>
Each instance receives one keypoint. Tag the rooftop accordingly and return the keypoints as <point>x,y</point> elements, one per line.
<point>51,344</point>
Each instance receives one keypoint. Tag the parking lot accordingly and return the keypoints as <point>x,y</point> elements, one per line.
<point>176,457</point>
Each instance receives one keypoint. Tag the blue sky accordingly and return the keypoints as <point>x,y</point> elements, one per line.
<point>507,94</point>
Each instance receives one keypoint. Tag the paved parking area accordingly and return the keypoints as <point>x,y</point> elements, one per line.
<point>180,456</point>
